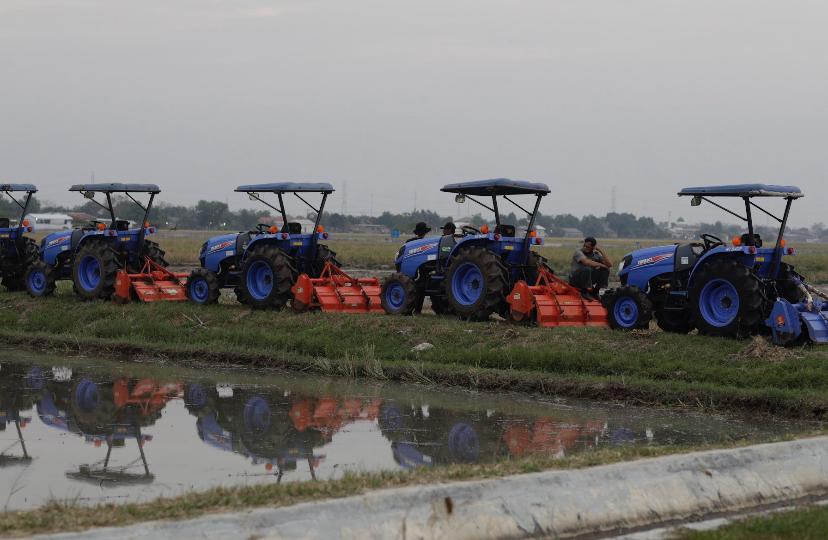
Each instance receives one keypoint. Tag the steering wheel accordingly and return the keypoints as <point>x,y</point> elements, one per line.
<point>711,241</point>
<point>468,229</point>
<point>262,227</point>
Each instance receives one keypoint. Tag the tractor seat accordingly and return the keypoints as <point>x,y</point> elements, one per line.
<point>757,240</point>
<point>505,230</point>
<point>292,228</point>
<point>121,225</point>
<point>5,223</point>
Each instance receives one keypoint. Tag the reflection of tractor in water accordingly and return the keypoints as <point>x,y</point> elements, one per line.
<point>107,413</point>
<point>425,436</point>
<point>20,386</point>
<point>272,427</point>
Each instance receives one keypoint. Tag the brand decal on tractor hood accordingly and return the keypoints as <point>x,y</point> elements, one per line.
<point>57,241</point>
<point>654,259</point>
<point>220,246</point>
<point>420,249</point>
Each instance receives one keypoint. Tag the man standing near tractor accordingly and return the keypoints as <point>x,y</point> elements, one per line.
<point>590,269</point>
<point>420,230</point>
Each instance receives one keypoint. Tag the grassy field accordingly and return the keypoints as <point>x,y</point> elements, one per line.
<point>646,367</point>
<point>377,251</point>
<point>803,524</point>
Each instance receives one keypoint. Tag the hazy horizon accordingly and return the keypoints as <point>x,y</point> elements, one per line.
<point>398,98</point>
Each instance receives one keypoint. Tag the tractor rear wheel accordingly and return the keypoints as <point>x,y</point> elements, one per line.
<point>203,287</point>
<point>154,252</point>
<point>788,284</point>
<point>398,294</point>
<point>725,300</point>
<point>16,280</point>
<point>628,308</point>
<point>673,320</point>
<point>266,278</point>
<point>40,279</point>
<point>323,255</point>
<point>439,305</point>
<point>477,284</point>
<point>94,271</point>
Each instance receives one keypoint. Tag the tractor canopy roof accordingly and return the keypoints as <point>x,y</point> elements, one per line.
<point>116,188</point>
<point>497,186</point>
<point>743,190</point>
<point>29,188</point>
<point>288,187</point>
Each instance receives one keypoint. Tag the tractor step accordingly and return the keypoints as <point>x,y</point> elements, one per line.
<point>552,302</point>
<point>153,283</point>
<point>336,291</point>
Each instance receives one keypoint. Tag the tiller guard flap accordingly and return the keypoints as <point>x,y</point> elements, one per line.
<point>336,291</point>
<point>552,302</point>
<point>153,283</point>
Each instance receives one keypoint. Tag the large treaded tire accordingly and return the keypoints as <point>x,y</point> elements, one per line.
<point>628,308</point>
<point>283,276</point>
<point>40,279</point>
<point>155,253</point>
<point>674,321</point>
<point>726,300</point>
<point>104,286</point>
<point>203,287</point>
<point>323,254</point>
<point>398,295</point>
<point>787,286</point>
<point>16,280</point>
<point>477,284</point>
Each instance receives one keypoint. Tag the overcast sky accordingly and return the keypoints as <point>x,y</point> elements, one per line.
<point>396,98</point>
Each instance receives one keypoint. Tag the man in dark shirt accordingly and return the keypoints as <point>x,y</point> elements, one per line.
<point>420,230</point>
<point>590,269</point>
<point>449,228</point>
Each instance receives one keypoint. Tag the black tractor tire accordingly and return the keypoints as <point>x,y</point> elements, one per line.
<point>787,285</point>
<point>494,284</point>
<point>323,254</point>
<point>213,288</point>
<point>108,268</point>
<point>533,263</point>
<point>628,308</point>
<point>15,280</point>
<point>284,276</point>
<point>440,305</point>
<point>155,253</point>
<point>398,294</point>
<point>674,321</point>
<point>49,275</point>
<point>752,303</point>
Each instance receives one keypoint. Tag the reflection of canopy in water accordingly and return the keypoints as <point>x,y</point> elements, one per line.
<point>121,474</point>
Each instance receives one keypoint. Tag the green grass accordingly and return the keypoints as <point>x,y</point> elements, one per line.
<point>802,524</point>
<point>646,367</point>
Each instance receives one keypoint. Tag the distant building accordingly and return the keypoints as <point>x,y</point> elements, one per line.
<point>369,228</point>
<point>81,217</point>
<point>50,222</point>
<point>572,232</point>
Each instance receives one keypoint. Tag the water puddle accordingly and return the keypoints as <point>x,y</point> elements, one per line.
<point>92,431</point>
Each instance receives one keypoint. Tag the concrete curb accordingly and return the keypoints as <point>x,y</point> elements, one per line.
<point>600,499</point>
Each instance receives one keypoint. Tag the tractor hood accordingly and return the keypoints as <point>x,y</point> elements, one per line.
<point>56,238</point>
<point>220,243</point>
<point>422,247</point>
<point>659,257</point>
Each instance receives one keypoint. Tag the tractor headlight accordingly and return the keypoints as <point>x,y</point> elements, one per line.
<point>620,266</point>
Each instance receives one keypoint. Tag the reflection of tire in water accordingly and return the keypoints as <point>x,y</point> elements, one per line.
<point>34,379</point>
<point>622,436</point>
<point>195,396</point>
<point>86,396</point>
<point>391,418</point>
<point>463,442</point>
<point>257,416</point>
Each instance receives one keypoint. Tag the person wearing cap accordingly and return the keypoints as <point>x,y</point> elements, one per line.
<point>449,228</point>
<point>420,230</point>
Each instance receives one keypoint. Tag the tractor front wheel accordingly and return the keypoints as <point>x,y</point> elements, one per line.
<point>673,320</point>
<point>94,271</point>
<point>477,284</point>
<point>628,308</point>
<point>398,294</point>
<point>726,300</point>
<point>39,279</point>
<point>203,287</point>
<point>266,278</point>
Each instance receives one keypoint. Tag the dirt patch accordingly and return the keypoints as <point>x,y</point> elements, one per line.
<point>761,348</point>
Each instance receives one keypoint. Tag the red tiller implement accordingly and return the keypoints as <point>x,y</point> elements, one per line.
<point>551,302</point>
<point>153,284</point>
<point>334,290</point>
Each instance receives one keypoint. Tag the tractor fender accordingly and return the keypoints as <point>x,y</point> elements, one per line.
<point>741,254</point>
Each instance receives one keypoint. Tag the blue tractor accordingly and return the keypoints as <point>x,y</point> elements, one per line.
<point>721,288</point>
<point>17,251</point>
<point>262,265</point>
<point>469,274</point>
<point>91,256</point>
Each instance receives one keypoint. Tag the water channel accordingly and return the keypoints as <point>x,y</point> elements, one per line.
<point>94,431</point>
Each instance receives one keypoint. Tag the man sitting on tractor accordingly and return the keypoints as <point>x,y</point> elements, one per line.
<point>449,228</point>
<point>590,269</point>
